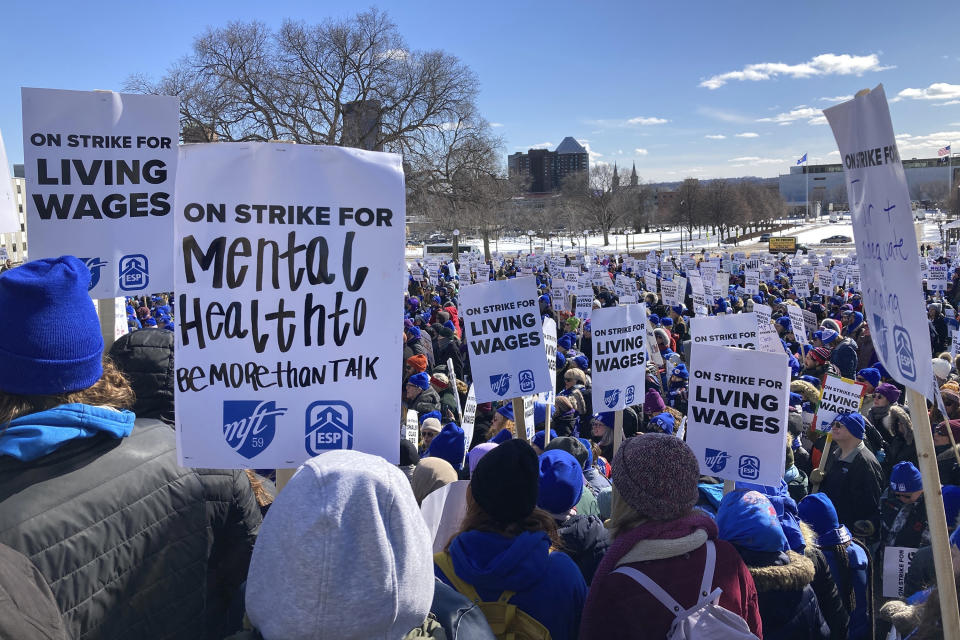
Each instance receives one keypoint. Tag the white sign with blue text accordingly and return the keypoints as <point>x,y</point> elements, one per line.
<point>619,356</point>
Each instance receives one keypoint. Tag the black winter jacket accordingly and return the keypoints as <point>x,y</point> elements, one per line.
<point>131,544</point>
<point>585,540</point>
<point>146,360</point>
<point>788,604</point>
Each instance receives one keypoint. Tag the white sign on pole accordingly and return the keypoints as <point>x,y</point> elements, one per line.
<point>280,305</point>
<point>955,344</point>
<point>733,330</point>
<point>529,416</point>
<point>505,339</point>
<point>101,168</point>
<point>411,431</point>
<point>452,376</point>
<point>444,510</point>
<point>896,563</point>
<point>9,220</point>
<point>469,417</point>
<point>668,293</point>
<point>795,314</point>
<point>751,282</point>
<point>619,358</point>
<point>737,413</point>
<point>550,343</point>
<point>584,303</point>
<point>839,396</point>
<point>938,278</point>
<point>885,238</point>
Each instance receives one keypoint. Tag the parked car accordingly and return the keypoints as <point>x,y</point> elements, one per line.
<point>837,239</point>
<point>802,248</point>
<point>765,237</point>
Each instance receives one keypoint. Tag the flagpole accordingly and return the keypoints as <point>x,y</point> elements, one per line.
<point>806,172</point>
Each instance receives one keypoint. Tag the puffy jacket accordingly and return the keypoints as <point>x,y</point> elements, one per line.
<point>427,401</point>
<point>132,545</point>
<point>146,360</point>
<point>788,604</point>
<point>585,540</point>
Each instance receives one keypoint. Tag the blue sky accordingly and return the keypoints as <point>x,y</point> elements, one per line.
<point>694,88</point>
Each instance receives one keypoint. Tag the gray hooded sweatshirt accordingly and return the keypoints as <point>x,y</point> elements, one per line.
<point>343,553</point>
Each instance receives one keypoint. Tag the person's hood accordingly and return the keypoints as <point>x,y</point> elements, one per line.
<point>582,532</point>
<point>343,553</point>
<point>492,561</point>
<point>38,434</point>
<point>787,571</point>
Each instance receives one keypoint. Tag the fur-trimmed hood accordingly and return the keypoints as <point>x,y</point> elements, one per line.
<point>807,390</point>
<point>793,576</point>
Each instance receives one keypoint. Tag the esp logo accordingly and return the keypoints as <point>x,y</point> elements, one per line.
<point>329,426</point>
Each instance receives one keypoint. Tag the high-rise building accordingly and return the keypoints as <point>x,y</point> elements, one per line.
<point>546,168</point>
<point>15,242</point>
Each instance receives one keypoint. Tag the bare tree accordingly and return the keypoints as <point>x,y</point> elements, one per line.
<point>246,82</point>
<point>690,202</point>
<point>719,206</point>
<point>601,206</point>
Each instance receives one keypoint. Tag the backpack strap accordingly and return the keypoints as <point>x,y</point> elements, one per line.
<point>445,563</point>
<point>708,569</point>
<point>655,590</point>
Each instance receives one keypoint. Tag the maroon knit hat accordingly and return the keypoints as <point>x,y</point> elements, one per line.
<point>653,403</point>
<point>657,474</point>
<point>888,391</point>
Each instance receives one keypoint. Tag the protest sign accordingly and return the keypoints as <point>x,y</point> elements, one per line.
<point>735,330</point>
<point>721,283</point>
<point>700,304</point>
<point>801,284</point>
<point>101,168</point>
<point>281,306</point>
<point>9,218</point>
<point>751,282</point>
<point>795,314</point>
<point>939,277</point>
<point>550,344</point>
<point>619,335</point>
<point>584,303</point>
<point>896,563</point>
<point>444,510</point>
<point>452,377</point>
<point>505,339</point>
<point>738,413</point>
<point>954,343</point>
<point>885,238</point>
<point>469,416</point>
<point>411,431</point>
<point>839,396</point>
<point>668,293</point>
<point>653,351</point>
<point>528,416</point>
<point>809,321</point>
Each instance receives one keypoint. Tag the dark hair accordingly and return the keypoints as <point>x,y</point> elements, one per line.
<point>111,390</point>
<point>479,520</point>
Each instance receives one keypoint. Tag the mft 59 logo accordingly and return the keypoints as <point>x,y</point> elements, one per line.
<point>250,425</point>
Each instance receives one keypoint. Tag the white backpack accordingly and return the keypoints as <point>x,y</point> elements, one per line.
<point>706,620</point>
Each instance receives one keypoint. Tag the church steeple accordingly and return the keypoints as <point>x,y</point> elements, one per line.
<point>616,178</point>
<point>633,176</point>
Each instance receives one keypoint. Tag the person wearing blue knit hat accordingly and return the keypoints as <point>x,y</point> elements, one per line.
<point>94,495</point>
<point>666,323</point>
<point>848,559</point>
<point>450,445</point>
<point>582,362</point>
<point>654,319</point>
<point>419,395</point>
<point>903,513</point>
<point>662,423</point>
<point>584,537</point>
<point>852,477</point>
<point>539,438</point>
<point>601,431</point>
<point>566,342</point>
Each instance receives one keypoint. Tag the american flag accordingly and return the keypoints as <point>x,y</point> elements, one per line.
<point>944,151</point>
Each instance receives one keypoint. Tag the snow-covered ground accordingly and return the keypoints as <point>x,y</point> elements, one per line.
<point>807,233</point>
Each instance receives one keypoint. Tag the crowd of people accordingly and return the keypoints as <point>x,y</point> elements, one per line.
<point>103,535</point>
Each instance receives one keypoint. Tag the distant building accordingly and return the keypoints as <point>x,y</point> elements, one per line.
<point>15,242</point>
<point>927,179</point>
<point>546,168</point>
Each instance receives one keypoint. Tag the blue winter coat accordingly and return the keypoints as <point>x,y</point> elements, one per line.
<point>549,586</point>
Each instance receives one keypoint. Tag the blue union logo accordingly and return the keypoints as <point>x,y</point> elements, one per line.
<point>716,460</point>
<point>250,425</point>
<point>94,265</point>
<point>611,397</point>
<point>329,426</point>
<point>500,384</point>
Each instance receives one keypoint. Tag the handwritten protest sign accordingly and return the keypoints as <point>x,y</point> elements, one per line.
<point>619,358</point>
<point>839,396</point>
<point>885,237</point>
<point>505,339</point>
<point>101,168</point>
<point>796,321</point>
<point>738,413</point>
<point>289,260</point>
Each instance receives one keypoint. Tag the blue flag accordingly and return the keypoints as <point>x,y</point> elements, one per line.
<point>803,159</point>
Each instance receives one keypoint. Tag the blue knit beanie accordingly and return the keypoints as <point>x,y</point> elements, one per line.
<point>905,478</point>
<point>540,413</point>
<point>589,447</point>
<point>681,371</point>
<point>871,375</point>
<point>817,510</point>
<point>561,481</point>
<point>664,422</point>
<point>582,362</point>
<point>506,411</point>
<point>421,380</point>
<point>539,438</point>
<point>449,444</point>
<point>748,520</point>
<point>854,423</point>
<point>561,361</point>
<point>50,341</point>
<point>605,417</point>
<point>566,341</point>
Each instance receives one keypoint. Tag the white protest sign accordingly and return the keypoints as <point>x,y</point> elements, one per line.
<point>801,284</point>
<point>653,351</point>
<point>280,305</point>
<point>529,415</point>
<point>885,238</point>
<point>939,277</point>
<point>896,563</point>
<point>733,330</point>
<point>9,219</point>
<point>505,339</point>
<point>452,376</point>
<point>469,418</point>
<point>3,254</point>
<point>809,321</point>
<point>668,293</point>
<point>737,413</point>
<point>444,510</point>
<point>584,303</point>
<point>722,285</point>
<point>839,396</point>
<point>411,431</point>
<point>795,314</point>
<point>955,344</point>
<point>619,360</point>
<point>101,168</point>
<point>550,344</point>
<point>751,282</point>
